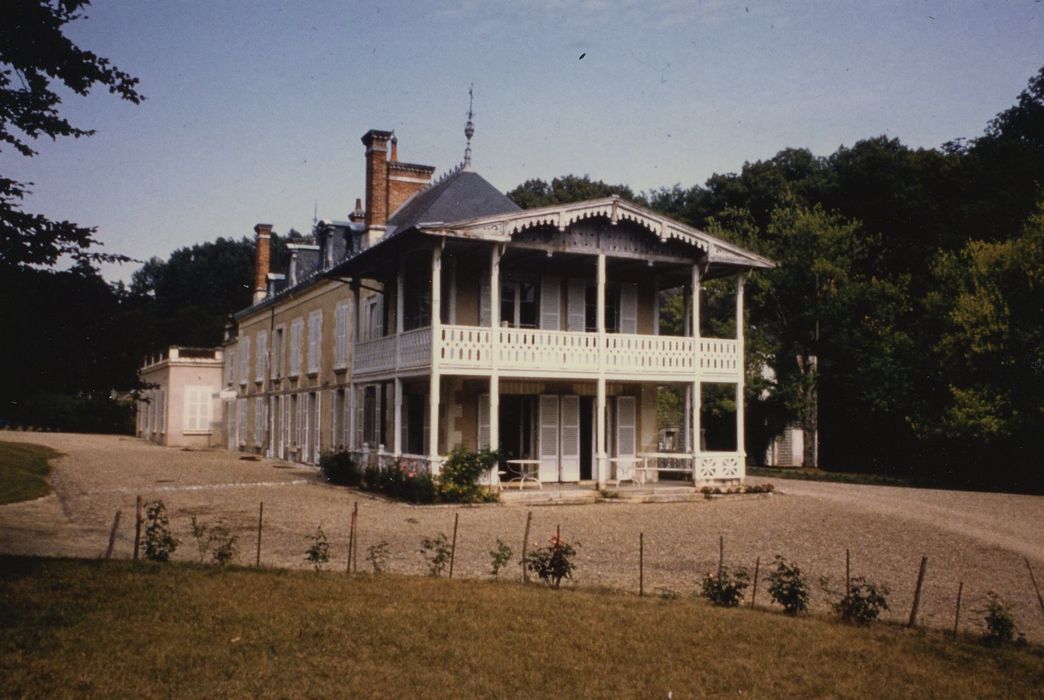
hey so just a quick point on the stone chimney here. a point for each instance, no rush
(262, 260)
(376, 143)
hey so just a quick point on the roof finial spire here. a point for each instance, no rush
(469, 128)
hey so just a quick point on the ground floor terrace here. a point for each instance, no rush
(553, 431)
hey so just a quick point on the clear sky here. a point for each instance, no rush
(254, 110)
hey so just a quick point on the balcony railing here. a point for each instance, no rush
(552, 353)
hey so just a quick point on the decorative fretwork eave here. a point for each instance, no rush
(502, 227)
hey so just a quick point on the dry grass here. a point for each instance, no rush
(98, 629)
(24, 470)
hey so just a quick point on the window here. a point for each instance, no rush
(277, 352)
(373, 326)
(262, 356)
(612, 295)
(241, 413)
(295, 346)
(341, 318)
(518, 304)
(372, 418)
(259, 420)
(315, 336)
(198, 409)
(244, 358)
(416, 297)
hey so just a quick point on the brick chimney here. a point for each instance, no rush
(376, 143)
(263, 250)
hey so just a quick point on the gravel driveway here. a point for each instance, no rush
(978, 538)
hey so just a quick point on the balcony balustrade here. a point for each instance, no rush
(532, 352)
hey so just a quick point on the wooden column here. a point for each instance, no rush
(494, 338)
(352, 386)
(400, 325)
(696, 393)
(741, 447)
(600, 437)
(436, 342)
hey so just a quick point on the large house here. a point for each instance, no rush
(444, 315)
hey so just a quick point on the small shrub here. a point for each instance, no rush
(725, 589)
(788, 587)
(499, 557)
(458, 480)
(199, 533)
(339, 468)
(864, 602)
(406, 484)
(377, 555)
(1000, 622)
(318, 553)
(437, 551)
(554, 562)
(223, 543)
(160, 543)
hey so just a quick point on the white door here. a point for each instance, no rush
(576, 309)
(626, 434)
(628, 308)
(550, 303)
(548, 438)
(570, 459)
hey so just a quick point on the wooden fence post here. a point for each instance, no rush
(260, 520)
(453, 546)
(112, 535)
(1034, 580)
(137, 527)
(957, 615)
(917, 593)
(721, 555)
(355, 538)
(351, 536)
(641, 564)
(525, 546)
(754, 592)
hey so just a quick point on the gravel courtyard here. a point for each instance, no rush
(977, 538)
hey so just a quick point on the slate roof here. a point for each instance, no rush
(461, 195)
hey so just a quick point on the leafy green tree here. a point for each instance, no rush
(35, 56)
(187, 298)
(565, 189)
(990, 351)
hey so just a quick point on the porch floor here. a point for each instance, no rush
(588, 492)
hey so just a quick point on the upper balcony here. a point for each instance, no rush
(533, 353)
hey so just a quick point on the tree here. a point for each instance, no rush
(186, 299)
(991, 353)
(562, 190)
(35, 55)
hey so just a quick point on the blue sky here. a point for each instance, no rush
(254, 109)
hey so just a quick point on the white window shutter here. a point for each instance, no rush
(550, 302)
(483, 422)
(262, 356)
(575, 308)
(548, 438)
(244, 352)
(628, 308)
(485, 301)
(626, 429)
(570, 438)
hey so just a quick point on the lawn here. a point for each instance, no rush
(90, 628)
(24, 470)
